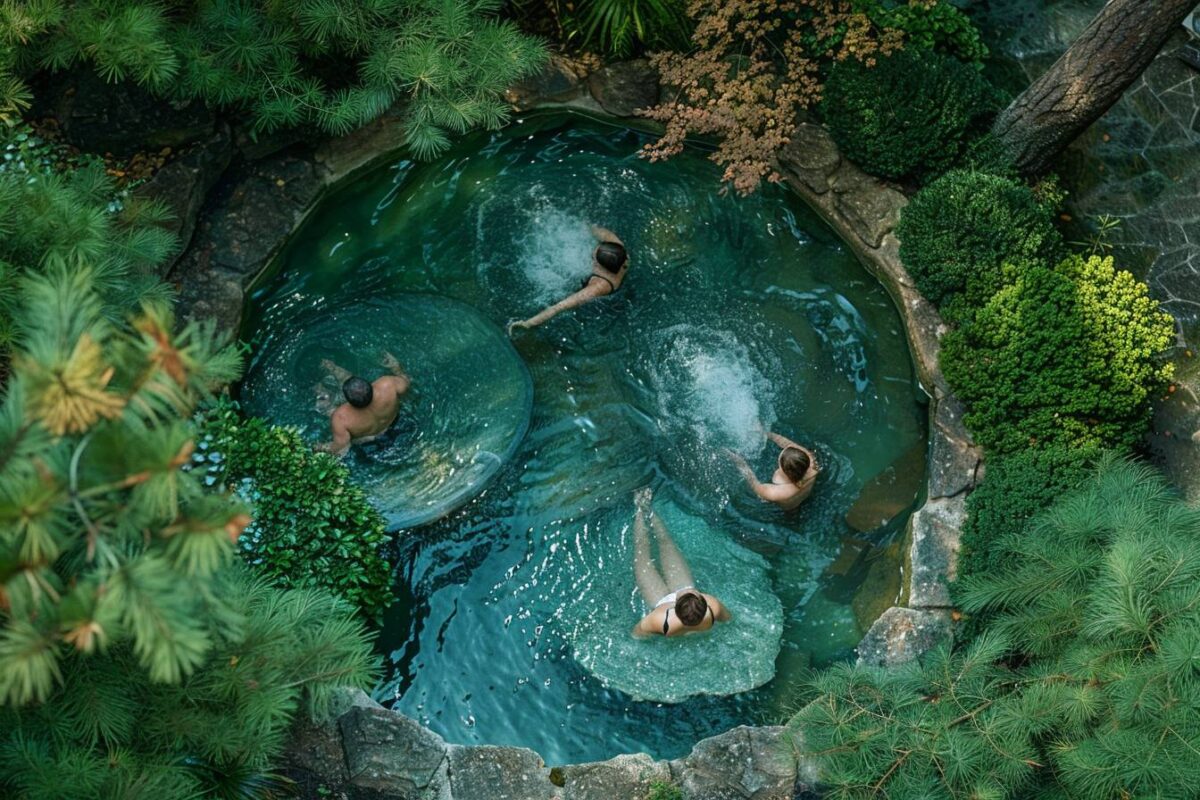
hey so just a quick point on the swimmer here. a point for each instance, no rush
(677, 607)
(794, 476)
(370, 408)
(610, 262)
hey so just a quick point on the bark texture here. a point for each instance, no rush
(1107, 57)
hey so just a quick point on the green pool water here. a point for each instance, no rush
(736, 312)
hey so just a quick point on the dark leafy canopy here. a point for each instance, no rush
(336, 64)
(958, 232)
(1101, 599)
(312, 526)
(1072, 354)
(910, 115)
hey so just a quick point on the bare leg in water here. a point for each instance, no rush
(674, 567)
(649, 582)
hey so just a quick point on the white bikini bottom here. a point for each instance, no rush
(670, 598)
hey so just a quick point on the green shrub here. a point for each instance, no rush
(909, 116)
(312, 526)
(1085, 685)
(1070, 355)
(932, 26)
(664, 790)
(958, 231)
(1015, 488)
(336, 64)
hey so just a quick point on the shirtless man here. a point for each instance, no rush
(370, 408)
(677, 607)
(794, 475)
(610, 263)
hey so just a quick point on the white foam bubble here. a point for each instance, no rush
(557, 253)
(553, 247)
(709, 382)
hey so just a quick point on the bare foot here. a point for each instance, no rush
(642, 498)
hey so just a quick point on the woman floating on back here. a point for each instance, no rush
(676, 605)
(610, 262)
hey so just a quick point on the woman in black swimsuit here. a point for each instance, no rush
(609, 265)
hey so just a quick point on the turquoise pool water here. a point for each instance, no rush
(736, 312)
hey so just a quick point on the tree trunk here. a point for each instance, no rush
(1092, 75)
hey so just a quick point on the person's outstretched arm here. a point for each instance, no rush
(392, 365)
(770, 492)
(783, 441)
(720, 613)
(584, 295)
(340, 442)
(339, 374)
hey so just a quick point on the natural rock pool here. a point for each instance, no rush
(515, 612)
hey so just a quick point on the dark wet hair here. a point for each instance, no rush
(358, 392)
(691, 608)
(611, 256)
(795, 463)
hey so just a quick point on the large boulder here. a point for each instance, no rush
(811, 156)
(184, 183)
(625, 87)
(558, 81)
(247, 221)
(394, 755)
(499, 773)
(119, 118)
(627, 775)
(744, 764)
(904, 634)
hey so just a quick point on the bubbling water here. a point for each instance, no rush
(709, 381)
(553, 248)
(736, 313)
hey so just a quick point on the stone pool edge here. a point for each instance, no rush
(364, 750)
(256, 206)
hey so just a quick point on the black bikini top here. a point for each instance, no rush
(667, 619)
(604, 278)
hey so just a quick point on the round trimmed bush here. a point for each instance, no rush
(908, 116)
(960, 229)
(1070, 355)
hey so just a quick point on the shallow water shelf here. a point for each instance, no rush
(466, 411)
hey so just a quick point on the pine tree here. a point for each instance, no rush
(1086, 684)
(138, 657)
(67, 220)
(335, 64)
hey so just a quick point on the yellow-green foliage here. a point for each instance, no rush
(1071, 354)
